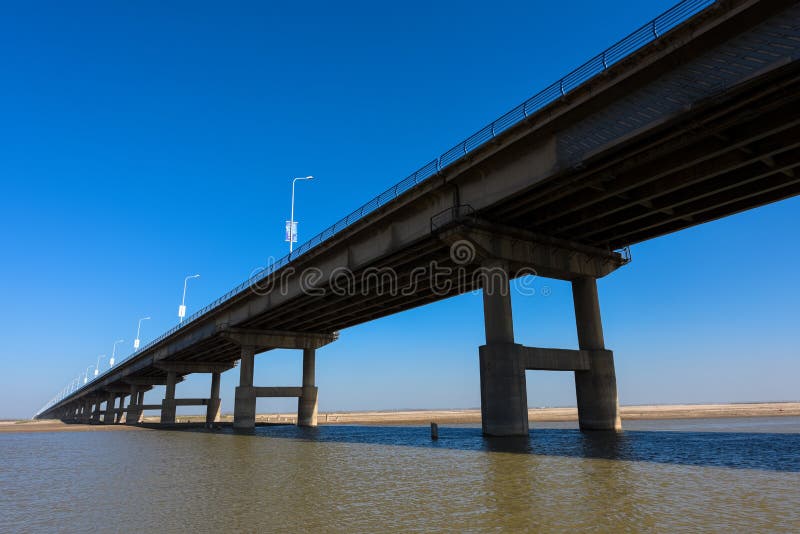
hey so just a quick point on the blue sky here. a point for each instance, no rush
(142, 142)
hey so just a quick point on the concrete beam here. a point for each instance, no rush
(539, 359)
(277, 339)
(148, 381)
(144, 407)
(117, 388)
(191, 402)
(548, 256)
(195, 367)
(278, 391)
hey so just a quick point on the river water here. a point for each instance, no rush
(712, 474)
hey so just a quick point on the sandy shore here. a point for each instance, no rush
(54, 425)
(423, 417)
(672, 411)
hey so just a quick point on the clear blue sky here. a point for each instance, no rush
(142, 141)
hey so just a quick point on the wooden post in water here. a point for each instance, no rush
(434, 431)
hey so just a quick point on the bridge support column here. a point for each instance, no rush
(168, 404)
(96, 412)
(108, 416)
(134, 413)
(504, 400)
(244, 408)
(87, 411)
(596, 388)
(212, 411)
(307, 403)
(121, 409)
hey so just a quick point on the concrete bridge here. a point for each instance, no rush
(693, 117)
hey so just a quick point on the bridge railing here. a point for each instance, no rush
(646, 34)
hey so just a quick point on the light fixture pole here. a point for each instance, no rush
(291, 231)
(138, 329)
(86, 374)
(182, 307)
(97, 367)
(114, 352)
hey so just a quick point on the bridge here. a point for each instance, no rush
(690, 118)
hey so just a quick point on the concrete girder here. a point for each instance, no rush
(277, 339)
(548, 256)
(542, 359)
(191, 402)
(117, 388)
(194, 367)
(148, 381)
(277, 391)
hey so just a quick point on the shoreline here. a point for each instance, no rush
(455, 416)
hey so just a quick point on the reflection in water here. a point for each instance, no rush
(743, 450)
(739, 476)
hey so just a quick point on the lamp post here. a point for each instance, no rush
(97, 367)
(138, 329)
(114, 352)
(86, 374)
(291, 230)
(182, 307)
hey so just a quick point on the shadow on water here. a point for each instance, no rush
(739, 450)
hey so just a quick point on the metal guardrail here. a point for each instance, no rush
(646, 34)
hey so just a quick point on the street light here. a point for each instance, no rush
(138, 329)
(182, 307)
(97, 367)
(114, 352)
(291, 226)
(86, 374)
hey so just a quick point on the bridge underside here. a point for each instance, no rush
(735, 151)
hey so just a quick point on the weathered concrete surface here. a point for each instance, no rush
(596, 388)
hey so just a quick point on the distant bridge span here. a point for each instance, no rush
(692, 118)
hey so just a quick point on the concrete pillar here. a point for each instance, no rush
(96, 411)
(134, 413)
(212, 412)
(121, 408)
(108, 418)
(596, 389)
(504, 397)
(307, 403)
(168, 404)
(244, 408)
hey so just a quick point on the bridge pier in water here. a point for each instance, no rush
(133, 413)
(499, 253)
(175, 372)
(212, 410)
(251, 342)
(504, 403)
(168, 404)
(595, 388)
(307, 402)
(504, 398)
